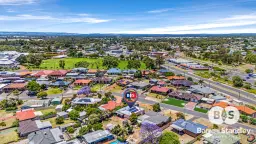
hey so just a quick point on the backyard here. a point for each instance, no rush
(175, 102)
(97, 87)
(53, 122)
(8, 136)
(70, 63)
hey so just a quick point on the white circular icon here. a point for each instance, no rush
(218, 115)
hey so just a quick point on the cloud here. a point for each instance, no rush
(160, 10)
(17, 2)
(78, 19)
(230, 22)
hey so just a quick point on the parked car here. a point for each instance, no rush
(31, 93)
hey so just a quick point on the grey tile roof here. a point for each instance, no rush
(26, 127)
(46, 136)
(96, 135)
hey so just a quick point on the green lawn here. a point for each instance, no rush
(175, 102)
(48, 110)
(53, 122)
(97, 87)
(52, 91)
(70, 63)
(201, 110)
(8, 136)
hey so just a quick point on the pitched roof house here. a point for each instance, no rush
(25, 114)
(98, 136)
(247, 111)
(82, 82)
(111, 105)
(46, 136)
(26, 127)
(160, 90)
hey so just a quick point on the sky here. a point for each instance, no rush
(129, 16)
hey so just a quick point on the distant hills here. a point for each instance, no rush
(46, 34)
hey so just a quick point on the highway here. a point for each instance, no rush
(231, 91)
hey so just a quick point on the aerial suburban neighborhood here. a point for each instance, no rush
(73, 92)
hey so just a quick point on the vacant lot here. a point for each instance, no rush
(52, 91)
(70, 63)
(175, 102)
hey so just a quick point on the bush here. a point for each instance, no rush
(3, 124)
(59, 120)
(70, 129)
(11, 108)
(15, 123)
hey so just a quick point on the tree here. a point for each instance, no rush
(215, 126)
(84, 130)
(149, 62)
(169, 138)
(42, 95)
(22, 59)
(15, 123)
(133, 118)
(150, 133)
(156, 107)
(94, 118)
(190, 79)
(180, 115)
(159, 61)
(110, 62)
(169, 74)
(201, 81)
(33, 86)
(62, 64)
(247, 86)
(35, 59)
(138, 74)
(59, 120)
(249, 71)
(97, 126)
(237, 81)
(134, 64)
(83, 64)
(74, 115)
(16, 92)
(66, 107)
(3, 124)
(70, 129)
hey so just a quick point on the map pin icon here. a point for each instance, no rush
(130, 96)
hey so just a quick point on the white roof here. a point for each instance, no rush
(2, 85)
(59, 106)
(38, 113)
(43, 124)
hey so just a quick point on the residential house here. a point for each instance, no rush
(147, 72)
(15, 86)
(58, 73)
(163, 71)
(56, 101)
(102, 80)
(202, 90)
(60, 83)
(36, 103)
(184, 83)
(26, 127)
(46, 136)
(111, 105)
(247, 111)
(6, 63)
(129, 72)
(188, 127)
(42, 73)
(172, 78)
(139, 85)
(218, 98)
(153, 81)
(85, 101)
(91, 72)
(82, 82)
(82, 115)
(72, 75)
(215, 136)
(25, 114)
(114, 71)
(161, 83)
(185, 96)
(123, 82)
(25, 74)
(8, 74)
(125, 112)
(205, 106)
(221, 104)
(160, 90)
(99, 136)
(59, 108)
(43, 80)
(80, 70)
(154, 118)
(62, 114)
(2, 87)
(43, 125)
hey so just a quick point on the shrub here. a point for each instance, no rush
(59, 120)
(70, 129)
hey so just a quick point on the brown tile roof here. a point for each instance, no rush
(111, 105)
(16, 86)
(26, 127)
(58, 73)
(246, 110)
(83, 81)
(92, 71)
(221, 104)
(176, 78)
(160, 89)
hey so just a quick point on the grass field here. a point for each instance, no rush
(70, 63)
(53, 122)
(8, 136)
(200, 110)
(97, 87)
(45, 111)
(52, 91)
(175, 102)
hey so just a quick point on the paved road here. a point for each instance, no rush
(194, 113)
(244, 96)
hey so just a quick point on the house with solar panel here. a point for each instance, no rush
(126, 112)
(85, 101)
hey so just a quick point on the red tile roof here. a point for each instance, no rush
(176, 78)
(92, 71)
(25, 114)
(111, 105)
(43, 72)
(246, 110)
(83, 81)
(160, 89)
(58, 73)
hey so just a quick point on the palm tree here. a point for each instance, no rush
(201, 81)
